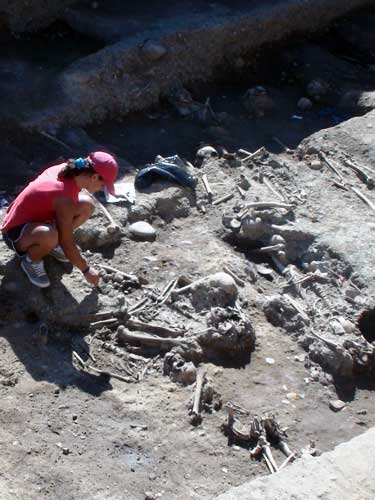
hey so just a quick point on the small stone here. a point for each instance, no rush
(149, 495)
(270, 361)
(65, 451)
(316, 165)
(304, 104)
(362, 412)
(337, 405)
(142, 230)
(300, 358)
(292, 396)
(153, 50)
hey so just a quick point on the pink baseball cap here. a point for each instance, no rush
(106, 166)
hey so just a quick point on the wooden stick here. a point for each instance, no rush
(223, 199)
(363, 198)
(207, 187)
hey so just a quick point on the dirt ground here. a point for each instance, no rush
(70, 434)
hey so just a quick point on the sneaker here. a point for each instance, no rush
(35, 272)
(58, 254)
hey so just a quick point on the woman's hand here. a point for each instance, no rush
(92, 276)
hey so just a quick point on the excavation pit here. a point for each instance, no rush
(366, 325)
(68, 424)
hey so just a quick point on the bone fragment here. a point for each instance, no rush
(242, 192)
(190, 286)
(268, 204)
(329, 343)
(250, 156)
(280, 143)
(297, 307)
(142, 304)
(85, 366)
(363, 198)
(149, 340)
(286, 461)
(268, 463)
(331, 166)
(161, 331)
(104, 322)
(268, 183)
(341, 186)
(283, 445)
(113, 226)
(196, 417)
(207, 187)
(361, 173)
(223, 199)
(272, 248)
(267, 453)
(238, 280)
(130, 277)
(167, 292)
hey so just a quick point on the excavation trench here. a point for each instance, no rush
(246, 65)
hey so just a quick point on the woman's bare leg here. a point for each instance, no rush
(37, 240)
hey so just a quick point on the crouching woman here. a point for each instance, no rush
(43, 217)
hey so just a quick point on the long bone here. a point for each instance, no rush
(196, 416)
(149, 340)
(361, 173)
(207, 187)
(269, 249)
(331, 166)
(113, 226)
(250, 156)
(280, 143)
(161, 331)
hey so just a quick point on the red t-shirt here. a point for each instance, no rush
(35, 203)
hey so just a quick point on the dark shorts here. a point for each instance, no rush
(12, 236)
